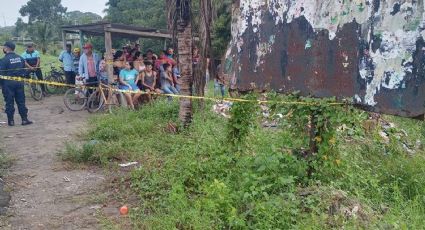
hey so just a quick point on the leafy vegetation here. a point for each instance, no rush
(44, 20)
(221, 34)
(153, 14)
(196, 179)
(45, 17)
(44, 27)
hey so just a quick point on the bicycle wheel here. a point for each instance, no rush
(95, 102)
(75, 99)
(118, 101)
(53, 89)
(36, 92)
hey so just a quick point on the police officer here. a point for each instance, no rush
(13, 91)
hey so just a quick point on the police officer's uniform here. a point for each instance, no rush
(13, 91)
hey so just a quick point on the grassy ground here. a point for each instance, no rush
(196, 180)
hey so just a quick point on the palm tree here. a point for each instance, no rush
(43, 34)
(205, 23)
(184, 43)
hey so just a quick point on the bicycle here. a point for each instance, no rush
(35, 88)
(55, 76)
(106, 96)
(75, 99)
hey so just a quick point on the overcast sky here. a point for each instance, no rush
(9, 9)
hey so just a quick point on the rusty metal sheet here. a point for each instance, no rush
(369, 50)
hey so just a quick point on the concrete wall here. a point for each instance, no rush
(368, 50)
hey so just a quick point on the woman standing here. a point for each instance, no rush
(128, 81)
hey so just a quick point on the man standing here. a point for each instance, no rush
(89, 65)
(77, 53)
(67, 58)
(13, 91)
(32, 62)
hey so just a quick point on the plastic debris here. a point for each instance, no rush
(128, 164)
(223, 108)
(384, 136)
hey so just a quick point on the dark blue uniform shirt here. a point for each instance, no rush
(12, 65)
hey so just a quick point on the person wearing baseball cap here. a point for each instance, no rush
(32, 61)
(13, 65)
(77, 55)
(89, 65)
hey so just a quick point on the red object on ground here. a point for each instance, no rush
(124, 210)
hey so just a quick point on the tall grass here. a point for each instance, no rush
(195, 180)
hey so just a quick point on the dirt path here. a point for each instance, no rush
(45, 195)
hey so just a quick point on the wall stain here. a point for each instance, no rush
(369, 50)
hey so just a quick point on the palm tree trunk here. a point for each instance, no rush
(205, 12)
(184, 41)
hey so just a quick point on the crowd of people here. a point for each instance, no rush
(134, 70)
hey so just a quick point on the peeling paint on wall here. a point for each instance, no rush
(370, 50)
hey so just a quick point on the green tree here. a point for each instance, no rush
(44, 20)
(78, 17)
(221, 32)
(150, 14)
(42, 34)
(43, 11)
(20, 28)
(6, 33)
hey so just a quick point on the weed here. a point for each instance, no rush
(196, 179)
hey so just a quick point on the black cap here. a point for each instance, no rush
(10, 45)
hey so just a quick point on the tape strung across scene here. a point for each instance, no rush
(59, 84)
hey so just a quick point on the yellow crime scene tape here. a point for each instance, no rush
(59, 84)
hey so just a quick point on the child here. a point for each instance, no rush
(103, 72)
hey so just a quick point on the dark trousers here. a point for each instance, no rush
(39, 76)
(13, 91)
(92, 82)
(70, 77)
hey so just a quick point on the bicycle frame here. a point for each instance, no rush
(109, 97)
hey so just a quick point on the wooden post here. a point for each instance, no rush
(109, 58)
(64, 39)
